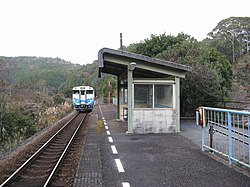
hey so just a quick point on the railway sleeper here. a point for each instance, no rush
(52, 152)
(64, 170)
(49, 157)
(33, 177)
(66, 164)
(57, 146)
(60, 141)
(50, 149)
(41, 167)
(34, 171)
(72, 151)
(71, 160)
(45, 161)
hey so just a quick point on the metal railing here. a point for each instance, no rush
(226, 132)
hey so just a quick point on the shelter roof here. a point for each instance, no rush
(116, 62)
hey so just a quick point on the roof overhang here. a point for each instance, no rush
(116, 62)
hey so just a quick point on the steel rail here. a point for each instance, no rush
(30, 159)
(63, 154)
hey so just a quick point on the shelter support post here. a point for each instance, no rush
(177, 103)
(118, 99)
(130, 99)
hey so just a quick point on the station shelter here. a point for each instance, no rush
(148, 90)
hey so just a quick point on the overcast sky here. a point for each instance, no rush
(75, 30)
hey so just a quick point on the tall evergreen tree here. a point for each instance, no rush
(210, 80)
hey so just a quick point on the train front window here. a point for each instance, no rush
(82, 92)
(89, 91)
(76, 92)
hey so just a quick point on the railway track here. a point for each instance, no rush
(51, 164)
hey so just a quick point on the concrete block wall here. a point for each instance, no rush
(154, 121)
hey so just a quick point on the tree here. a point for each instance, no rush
(153, 46)
(231, 37)
(210, 80)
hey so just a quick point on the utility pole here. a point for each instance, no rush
(121, 46)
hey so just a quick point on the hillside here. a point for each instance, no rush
(241, 79)
(35, 92)
(35, 72)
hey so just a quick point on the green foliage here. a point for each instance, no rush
(87, 75)
(103, 86)
(208, 83)
(237, 26)
(231, 36)
(59, 99)
(73, 78)
(241, 84)
(15, 125)
(210, 79)
(154, 45)
(37, 74)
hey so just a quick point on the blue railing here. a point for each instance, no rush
(226, 132)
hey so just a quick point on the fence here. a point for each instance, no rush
(226, 132)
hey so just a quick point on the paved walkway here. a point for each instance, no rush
(149, 160)
(191, 131)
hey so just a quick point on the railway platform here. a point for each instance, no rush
(112, 158)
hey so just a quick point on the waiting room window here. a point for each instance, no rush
(153, 96)
(143, 96)
(163, 96)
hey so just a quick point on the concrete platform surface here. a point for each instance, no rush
(151, 160)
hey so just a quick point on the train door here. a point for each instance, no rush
(83, 98)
